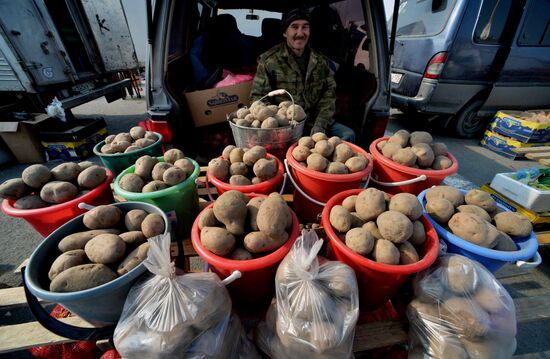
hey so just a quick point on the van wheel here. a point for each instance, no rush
(467, 124)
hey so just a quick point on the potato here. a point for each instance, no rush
(349, 203)
(439, 149)
(490, 347)
(316, 162)
(174, 175)
(154, 186)
(91, 177)
(153, 225)
(274, 216)
(390, 149)
(230, 209)
(144, 166)
(30, 202)
(242, 112)
(132, 148)
(340, 219)
(265, 169)
(109, 139)
(460, 275)
(217, 240)
(105, 248)
(236, 155)
(145, 142)
(372, 228)
(227, 150)
(256, 124)
(270, 122)
(240, 254)
(67, 171)
(441, 210)
(407, 253)
(394, 226)
(133, 259)
(67, 260)
(360, 241)
(251, 156)
(424, 154)
(481, 199)
(14, 188)
(150, 135)
(505, 243)
(441, 163)
(449, 193)
(356, 221)
(342, 152)
(58, 192)
(36, 176)
(420, 137)
(404, 156)
(324, 335)
(301, 153)
(133, 219)
(82, 277)
(137, 132)
(131, 182)
(107, 149)
(284, 104)
(159, 169)
(239, 180)
(513, 224)
(466, 316)
(370, 204)
(407, 204)
(260, 242)
(400, 138)
(306, 141)
(380, 145)
(120, 146)
(324, 148)
(101, 217)
(123, 136)
(296, 113)
(319, 136)
(335, 141)
(337, 168)
(172, 155)
(419, 234)
(207, 218)
(385, 252)
(253, 207)
(475, 210)
(263, 113)
(219, 168)
(472, 229)
(238, 168)
(186, 165)
(78, 240)
(133, 237)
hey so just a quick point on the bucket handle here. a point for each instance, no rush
(401, 183)
(208, 193)
(236, 274)
(537, 260)
(57, 327)
(86, 206)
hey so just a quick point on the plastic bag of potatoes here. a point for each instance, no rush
(177, 316)
(316, 307)
(460, 310)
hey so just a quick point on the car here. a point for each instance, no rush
(467, 59)
(233, 34)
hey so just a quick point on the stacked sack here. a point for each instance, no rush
(461, 311)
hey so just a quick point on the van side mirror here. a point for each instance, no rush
(252, 17)
(439, 5)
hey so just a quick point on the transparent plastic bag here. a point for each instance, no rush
(166, 315)
(460, 311)
(316, 308)
(55, 109)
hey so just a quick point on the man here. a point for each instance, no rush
(305, 73)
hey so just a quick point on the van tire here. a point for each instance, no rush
(467, 124)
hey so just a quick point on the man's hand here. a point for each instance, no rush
(316, 129)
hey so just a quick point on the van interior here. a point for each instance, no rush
(208, 38)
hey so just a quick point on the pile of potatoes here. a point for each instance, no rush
(125, 142)
(461, 311)
(243, 166)
(471, 217)
(240, 228)
(41, 187)
(536, 117)
(112, 245)
(387, 230)
(330, 155)
(261, 115)
(150, 175)
(416, 150)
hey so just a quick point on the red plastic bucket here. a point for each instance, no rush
(266, 187)
(48, 219)
(377, 281)
(252, 293)
(392, 177)
(320, 186)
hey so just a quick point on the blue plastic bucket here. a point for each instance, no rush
(100, 305)
(490, 258)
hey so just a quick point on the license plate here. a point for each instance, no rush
(396, 78)
(84, 87)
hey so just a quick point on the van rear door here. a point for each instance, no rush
(524, 81)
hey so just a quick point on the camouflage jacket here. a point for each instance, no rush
(277, 69)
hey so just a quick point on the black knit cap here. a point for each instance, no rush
(293, 15)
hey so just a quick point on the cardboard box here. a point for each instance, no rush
(504, 146)
(531, 198)
(22, 138)
(509, 124)
(212, 106)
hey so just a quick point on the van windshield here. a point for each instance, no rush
(250, 25)
(423, 17)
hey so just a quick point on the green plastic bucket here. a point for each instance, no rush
(180, 202)
(118, 162)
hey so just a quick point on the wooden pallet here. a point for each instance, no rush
(541, 154)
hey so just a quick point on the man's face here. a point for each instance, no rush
(297, 34)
